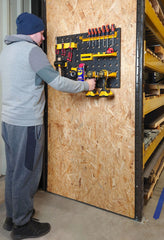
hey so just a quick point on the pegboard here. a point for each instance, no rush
(93, 48)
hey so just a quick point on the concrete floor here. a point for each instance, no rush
(71, 220)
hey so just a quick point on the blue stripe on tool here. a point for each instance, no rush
(159, 206)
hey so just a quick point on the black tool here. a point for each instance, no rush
(89, 36)
(96, 34)
(112, 32)
(56, 51)
(92, 35)
(69, 57)
(103, 33)
(59, 63)
(73, 74)
(99, 34)
(63, 51)
(107, 33)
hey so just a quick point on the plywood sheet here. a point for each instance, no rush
(91, 142)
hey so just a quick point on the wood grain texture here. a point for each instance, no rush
(91, 142)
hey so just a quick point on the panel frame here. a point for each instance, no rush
(139, 123)
(38, 7)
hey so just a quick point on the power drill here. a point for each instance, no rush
(93, 93)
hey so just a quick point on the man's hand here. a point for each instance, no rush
(92, 83)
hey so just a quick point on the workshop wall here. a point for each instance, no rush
(91, 141)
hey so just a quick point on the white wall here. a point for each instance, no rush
(4, 28)
(9, 10)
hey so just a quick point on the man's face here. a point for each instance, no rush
(38, 37)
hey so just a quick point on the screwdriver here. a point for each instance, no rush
(103, 33)
(63, 51)
(112, 31)
(107, 33)
(56, 51)
(89, 35)
(99, 34)
(92, 35)
(69, 57)
(96, 34)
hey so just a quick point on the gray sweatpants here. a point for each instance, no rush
(24, 148)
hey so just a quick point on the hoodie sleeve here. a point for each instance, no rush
(43, 69)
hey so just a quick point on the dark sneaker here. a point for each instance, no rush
(8, 224)
(32, 229)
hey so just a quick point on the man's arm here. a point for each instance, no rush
(42, 67)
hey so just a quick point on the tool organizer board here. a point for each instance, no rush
(109, 63)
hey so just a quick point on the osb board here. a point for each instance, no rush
(91, 142)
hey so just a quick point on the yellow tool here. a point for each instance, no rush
(99, 37)
(60, 64)
(65, 45)
(93, 93)
(104, 91)
(90, 56)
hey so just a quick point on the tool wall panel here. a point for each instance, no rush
(98, 53)
(91, 141)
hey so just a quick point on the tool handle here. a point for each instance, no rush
(69, 58)
(56, 50)
(99, 31)
(103, 29)
(107, 28)
(92, 32)
(113, 28)
(89, 32)
(96, 32)
(63, 51)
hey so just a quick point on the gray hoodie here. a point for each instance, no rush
(24, 68)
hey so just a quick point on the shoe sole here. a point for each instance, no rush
(19, 237)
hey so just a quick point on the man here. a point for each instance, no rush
(24, 68)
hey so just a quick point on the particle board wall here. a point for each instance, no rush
(91, 142)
